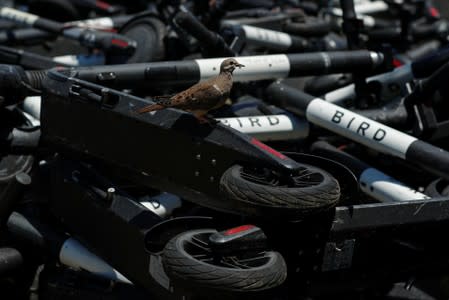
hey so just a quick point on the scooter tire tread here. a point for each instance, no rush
(305, 200)
(185, 270)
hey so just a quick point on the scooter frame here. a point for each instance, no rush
(100, 123)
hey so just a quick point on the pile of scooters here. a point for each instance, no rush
(311, 165)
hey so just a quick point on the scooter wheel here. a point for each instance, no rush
(190, 263)
(149, 33)
(310, 191)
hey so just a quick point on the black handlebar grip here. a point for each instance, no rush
(299, 44)
(35, 78)
(42, 238)
(49, 25)
(322, 63)
(26, 36)
(211, 42)
(26, 59)
(12, 194)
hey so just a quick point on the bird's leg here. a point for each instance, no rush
(203, 118)
(211, 120)
(207, 120)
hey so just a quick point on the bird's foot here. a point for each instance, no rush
(207, 120)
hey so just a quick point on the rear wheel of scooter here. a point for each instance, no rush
(190, 262)
(310, 191)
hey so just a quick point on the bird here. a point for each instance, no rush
(202, 97)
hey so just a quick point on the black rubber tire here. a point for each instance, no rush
(149, 33)
(301, 200)
(189, 272)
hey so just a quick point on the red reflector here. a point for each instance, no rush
(434, 12)
(397, 62)
(102, 5)
(119, 43)
(238, 229)
(267, 148)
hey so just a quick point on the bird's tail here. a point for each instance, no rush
(151, 107)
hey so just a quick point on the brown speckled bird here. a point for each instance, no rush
(202, 97)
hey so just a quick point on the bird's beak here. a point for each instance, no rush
(240, 65)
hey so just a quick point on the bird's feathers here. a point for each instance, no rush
(199, 98)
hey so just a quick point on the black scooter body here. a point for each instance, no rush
(168, 150)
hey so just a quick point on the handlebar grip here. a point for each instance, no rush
(28, 19)
(211, 42)
(26, 59)
(11, 194)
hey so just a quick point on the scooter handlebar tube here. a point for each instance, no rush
(360, 129)
(110, 42)
(260, 67)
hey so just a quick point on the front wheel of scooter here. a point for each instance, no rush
(191, 263)
(310, 191)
